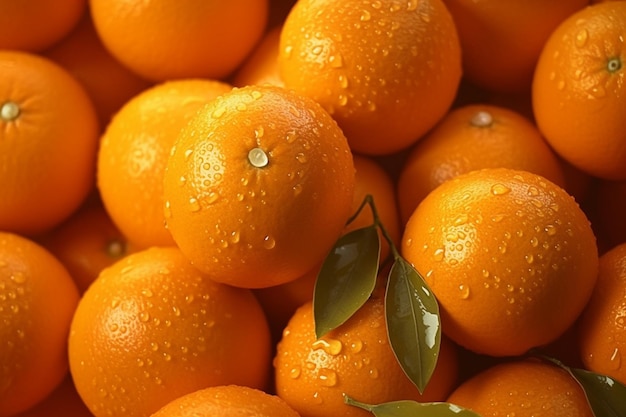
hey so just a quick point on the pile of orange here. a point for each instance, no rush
(174, 174)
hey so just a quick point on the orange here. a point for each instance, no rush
(87, 243)
(33, 25)
(501, 40)
(162, 39)
(106, 80)
(48, 140)
(64, 401)
(313, 375)
(510, 256)
(387, 71)
(523, 388)
(227, 401)
(134, 150)
(471, 137)
(261, 67)
(579, 91)
(152, 328)
(602, 340)
(259, 186)
(37, 300)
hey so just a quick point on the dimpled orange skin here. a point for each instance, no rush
(257, 226)
(510, 256)
(387, 70)
(523, 388)
(37, 300)
(313, 375)
(579, 90)
(152, 328)
(602, 335)
(227, 401)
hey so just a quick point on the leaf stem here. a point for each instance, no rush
(369, 200)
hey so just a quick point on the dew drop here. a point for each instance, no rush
(356, 346)
(581, 38)
(194, 205)
(167, 210)
(144, 316)
(327, 377)
(438, 254)
(550, 230)
(464, 291)
(294, 373)
(336, 61)
(373, 373)
(615, 359)
(300, 157)
(411, 5)
(331, 346)
(269, 242)
(219, 112)
(18, 277)
(500, 189)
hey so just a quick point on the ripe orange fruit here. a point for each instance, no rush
(37, 300)
(163, 40)
(501, 41)
(510, 256)
(34, 25)
(87, 243)
(64, 401)
(313, 375)
(261, 67)
(106, 80)
(602, 340)
(472, 137)
(152, 328)
(579, 91)
(258, 187)
(387, 71)
(523, 388)
(48, 139)
(227, 400)
(134, 150)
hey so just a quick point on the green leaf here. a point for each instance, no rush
(413, 322)
(409, 408)
(606, 396)
(347, 278)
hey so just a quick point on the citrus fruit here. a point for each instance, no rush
(34, 25)
(227, 401)
(313, 375)
(48, 139)
(579, 91)
(471, 137)
(64, 401)
(387, 71)
(162, 40)
(151, 328)
(108, 83)
(602, 341)
(86, 243)
(523, 388)
(261, 67)
(134, 151)
(499, 47)
(510, 256)
(258, 186)
(37, 300)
